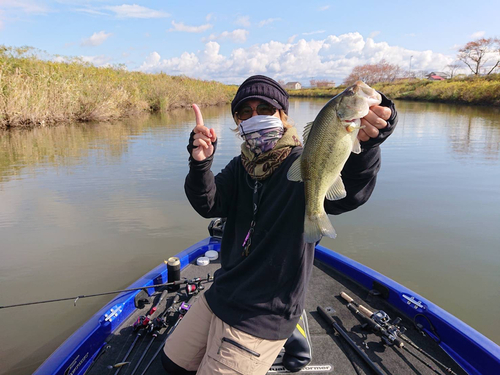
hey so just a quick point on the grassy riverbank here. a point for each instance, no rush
(479, 91)
(37, 92)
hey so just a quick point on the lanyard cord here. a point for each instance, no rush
(248, 238)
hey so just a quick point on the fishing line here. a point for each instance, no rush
(446, 368)
(421, 360)
(76, 298)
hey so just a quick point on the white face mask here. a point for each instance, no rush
(259, 122)
(261, 133)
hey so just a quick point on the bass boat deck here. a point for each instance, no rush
(434, 342)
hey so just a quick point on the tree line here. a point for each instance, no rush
(474, 55)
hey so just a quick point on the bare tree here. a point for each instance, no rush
(475, 54)
(325, 83)
(419, 74)
(312, 82)
(452, 69)
(373, 73)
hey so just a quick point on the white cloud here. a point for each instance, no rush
(477, 34)
(243, 21)
(96, 39)
(25, 6)
(268, 21)
(333, 57)
(209, 17)
(291, 39)
(237, 36)
(90, 11)
(314, 32)
(179, 26)
(100, 60)
(373, 34)
(136, 11)
(323, 8)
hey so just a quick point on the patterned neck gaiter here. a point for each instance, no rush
(263, 140)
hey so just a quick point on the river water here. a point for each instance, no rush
(87, 208)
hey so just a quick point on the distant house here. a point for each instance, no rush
(437, 76)
(293, 86)
(325, 84)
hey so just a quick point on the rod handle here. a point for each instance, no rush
(365, 311)
(163, 294)
(346, 297)
(176, 299)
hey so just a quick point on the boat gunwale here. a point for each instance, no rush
(476, 354)
(87, 341)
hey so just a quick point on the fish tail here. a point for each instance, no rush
(317, 226)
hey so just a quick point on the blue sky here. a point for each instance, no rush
(230, 40)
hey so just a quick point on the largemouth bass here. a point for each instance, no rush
(328, 142)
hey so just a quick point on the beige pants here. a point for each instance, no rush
(205, 343)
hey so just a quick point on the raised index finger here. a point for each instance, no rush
(199, 117)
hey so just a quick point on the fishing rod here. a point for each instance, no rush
(76, 298)
(141, 323)
(346, 337)
(378, 322)
(160, 322)
(183, 309)
(391, 332)
(157, 324)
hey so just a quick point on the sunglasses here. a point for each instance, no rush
(246, 111)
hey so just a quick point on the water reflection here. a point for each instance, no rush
(471, 131)
(30, 151)
(92, 207)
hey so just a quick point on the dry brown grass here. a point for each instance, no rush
(37, 92)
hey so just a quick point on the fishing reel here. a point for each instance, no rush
(195, 285)
(381, 317)
(390, 330)
(192, 289)
(157, 324)
(184, 308)
(141, 322)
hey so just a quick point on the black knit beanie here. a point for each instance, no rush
(263, 88)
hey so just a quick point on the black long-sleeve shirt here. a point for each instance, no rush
(263, 293)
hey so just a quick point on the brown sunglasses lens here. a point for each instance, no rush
(262, 109)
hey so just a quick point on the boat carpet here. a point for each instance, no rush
(331, 354)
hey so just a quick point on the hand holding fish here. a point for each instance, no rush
(203, 138)
(328, 142)
(375, 120)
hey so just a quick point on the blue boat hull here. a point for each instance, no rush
(475, 353)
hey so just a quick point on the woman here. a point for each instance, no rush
(241, 323)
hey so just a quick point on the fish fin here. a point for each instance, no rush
(318, 226)
(337, 190)
(306, 132)
(294, 173)
(356, 146)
